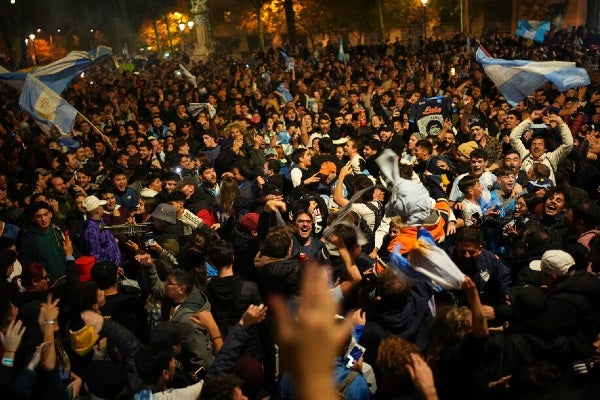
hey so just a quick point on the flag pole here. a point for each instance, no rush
(102, 135)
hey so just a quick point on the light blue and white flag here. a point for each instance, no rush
(517, 79)
(285, 93)
(58, 74)
(46, 106)
(289, 61)
(534, 30)
(341, 55)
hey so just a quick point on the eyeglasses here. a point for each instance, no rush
(167, 283)
(45, 278)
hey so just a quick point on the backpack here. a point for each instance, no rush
(379, 212)
(343, 387)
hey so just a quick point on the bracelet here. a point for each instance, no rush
(216, 337)
(50, 322)
(8, 362)
(10, 351)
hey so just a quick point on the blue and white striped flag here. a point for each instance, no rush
(517, 79)
(534, 30)
(58, 74)
(45, 106)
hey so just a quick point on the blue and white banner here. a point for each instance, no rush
(341, 55)
(517, 79)
(58, 74)
(46, 106)
(534, 30)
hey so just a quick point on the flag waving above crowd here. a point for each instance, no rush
(534, 30)
(45, 106)
(517, 79)
(41, 87)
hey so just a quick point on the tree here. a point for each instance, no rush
(290, 19)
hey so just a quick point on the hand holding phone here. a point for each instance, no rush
(355, 353)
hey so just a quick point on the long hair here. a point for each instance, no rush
(228, 194)
(448, 327)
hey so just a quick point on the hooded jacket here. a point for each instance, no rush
(229, 298)
(277, 275)
(197, 340)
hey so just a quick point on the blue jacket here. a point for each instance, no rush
(490, 275)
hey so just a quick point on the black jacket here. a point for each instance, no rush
(229, 298)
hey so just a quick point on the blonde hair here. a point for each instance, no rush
(398, 222)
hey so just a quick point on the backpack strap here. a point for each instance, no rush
(345, 385)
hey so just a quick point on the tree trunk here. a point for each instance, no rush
(290, 20)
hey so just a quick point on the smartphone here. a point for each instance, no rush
(355, 353)
(149, 239)
(452, 71)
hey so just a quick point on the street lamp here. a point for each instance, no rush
(424, 3)
(182, 25)
(32, 42)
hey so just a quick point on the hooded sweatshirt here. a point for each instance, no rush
(277, 275)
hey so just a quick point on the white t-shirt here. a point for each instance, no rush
(365, 212)
(471, 209)
(487, 180)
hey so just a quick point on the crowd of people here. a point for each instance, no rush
(237, 235)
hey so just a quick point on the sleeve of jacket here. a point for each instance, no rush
(91, 239)
(565, 147)
(227, 356)
(157, 287)
(503, 275)
(124, 340)
(515, 138)
(24, 383)
(497, 150)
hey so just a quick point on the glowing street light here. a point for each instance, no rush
(424, 3)
(182, 25)
(32, 42)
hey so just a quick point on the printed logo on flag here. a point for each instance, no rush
(46, 104)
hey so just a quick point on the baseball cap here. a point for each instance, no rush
(544, 183)
(92, 202)
(270, 151)
(42, 171)
(187, 180)
(249, 222)
(477, 122)
(554, 262)
(165, 212)
(327, 168)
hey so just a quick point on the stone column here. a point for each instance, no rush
(204, 40)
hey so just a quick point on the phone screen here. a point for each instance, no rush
(354, 355)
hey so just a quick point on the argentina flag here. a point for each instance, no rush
(45, 106)
(534, 30)
(59, 73)
(517, 79)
